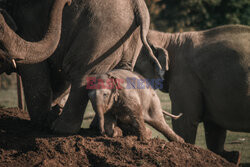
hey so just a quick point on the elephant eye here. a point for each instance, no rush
(105, 95)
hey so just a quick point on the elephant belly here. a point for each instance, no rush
(229, 108)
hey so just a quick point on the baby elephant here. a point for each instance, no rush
(125, 96)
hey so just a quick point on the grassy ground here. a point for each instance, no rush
(234, 141)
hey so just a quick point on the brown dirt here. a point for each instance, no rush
(23, 145)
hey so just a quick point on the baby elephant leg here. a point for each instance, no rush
(160, 124)
(138, 122)
(154, 117)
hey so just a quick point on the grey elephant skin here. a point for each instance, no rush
(96, 36)
(208, 81)
(126, 96)
(13, 47)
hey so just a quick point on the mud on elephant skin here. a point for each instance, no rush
(97, 36)
(121, 96)
(208, 80)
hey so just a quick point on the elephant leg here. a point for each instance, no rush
(38, 92)
(138, 123)
(186, 129)
(215, 140)
(187, 99)
(94, 125)
(72, 115)
(160, 124)
(131, 50)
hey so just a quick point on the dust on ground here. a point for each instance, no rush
(23, 145)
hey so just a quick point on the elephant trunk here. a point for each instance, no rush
(99, 109)
(26, 52)
(100, 112)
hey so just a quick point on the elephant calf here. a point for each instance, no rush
(122, 95)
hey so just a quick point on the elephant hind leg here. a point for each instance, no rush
(161, 125)
(215, 140)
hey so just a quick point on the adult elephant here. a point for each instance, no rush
(208, 80)
(97, 36)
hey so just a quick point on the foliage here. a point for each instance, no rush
(179, 15)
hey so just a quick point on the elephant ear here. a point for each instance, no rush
(162, 56)
(9, 20)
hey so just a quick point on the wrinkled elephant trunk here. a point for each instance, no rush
(33, 52)
(100, 112)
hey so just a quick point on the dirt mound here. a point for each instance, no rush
(22, 145)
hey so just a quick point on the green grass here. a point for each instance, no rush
(234, 141)
(8, 98)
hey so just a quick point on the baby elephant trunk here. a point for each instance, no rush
(99, 109)
(100, 112)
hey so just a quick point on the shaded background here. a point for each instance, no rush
(185, 15)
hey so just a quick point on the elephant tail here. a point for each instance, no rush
(171, 115)
(143, 20)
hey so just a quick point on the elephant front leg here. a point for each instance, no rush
(70, 120)
(94, 125)
(38, 93)
(39, 103)
(188, 101)
(215, 140)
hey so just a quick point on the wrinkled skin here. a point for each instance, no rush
(97, 36)
(14, 48)
(208, 80)
(129, 103)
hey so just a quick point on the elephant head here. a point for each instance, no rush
(102, 97)
(15, 49)
(148, 68)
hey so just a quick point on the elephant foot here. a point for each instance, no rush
(232, 156)
(41, 124)
(117, 132)
(180, 139)
(65, 127)
(53, 115)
